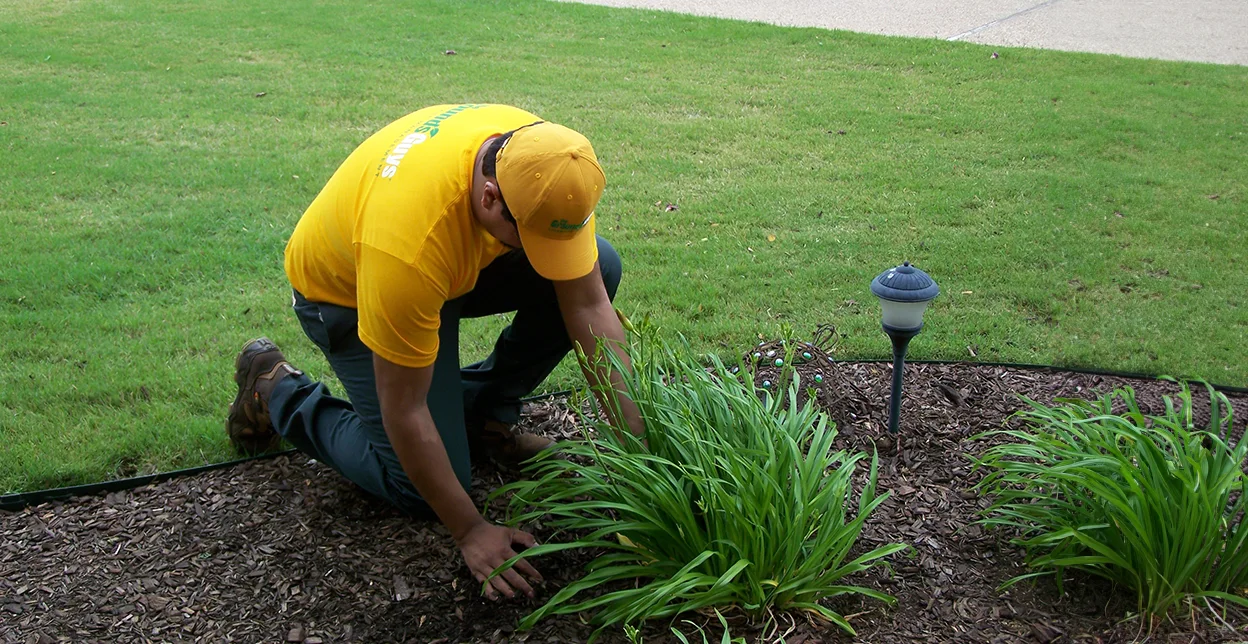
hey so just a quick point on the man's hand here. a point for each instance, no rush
(486, 546)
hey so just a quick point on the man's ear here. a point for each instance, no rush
(491, 196)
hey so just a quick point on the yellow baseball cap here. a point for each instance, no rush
(551, 181)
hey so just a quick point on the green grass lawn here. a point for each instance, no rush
(1076, 209)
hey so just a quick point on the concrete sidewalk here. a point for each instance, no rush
(1214, 31)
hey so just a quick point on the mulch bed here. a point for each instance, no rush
(285, 550)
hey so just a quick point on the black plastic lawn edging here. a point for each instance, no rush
(20, 501)
(23, 500)
(1044, 367)
(15, 502)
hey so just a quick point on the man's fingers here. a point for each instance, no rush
(518, 582)
(523, 538)
(501, 586)
(489, 590)
(484, 560)
(531, 572)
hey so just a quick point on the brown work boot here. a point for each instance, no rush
(257, 370)
(497, 441)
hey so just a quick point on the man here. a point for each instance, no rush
(449, 212)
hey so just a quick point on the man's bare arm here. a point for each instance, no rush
(588, 316)
(403, 392)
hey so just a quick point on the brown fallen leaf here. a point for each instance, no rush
(1212, 197)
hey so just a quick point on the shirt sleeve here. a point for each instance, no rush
(400, 308)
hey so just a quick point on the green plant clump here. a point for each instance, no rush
(1151, 503)
(634, 635)
(736, 499)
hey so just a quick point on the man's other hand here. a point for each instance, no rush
(486, 546)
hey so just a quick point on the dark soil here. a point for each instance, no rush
(285, 550)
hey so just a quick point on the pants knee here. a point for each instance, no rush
(612, 268)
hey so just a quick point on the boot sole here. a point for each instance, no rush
(236, 421)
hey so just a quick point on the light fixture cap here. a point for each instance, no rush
(904, 283)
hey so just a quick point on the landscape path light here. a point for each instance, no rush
(904, 293)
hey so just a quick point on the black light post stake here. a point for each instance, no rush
(901, 341)
(904, 293)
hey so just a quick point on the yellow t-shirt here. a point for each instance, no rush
(392, 233)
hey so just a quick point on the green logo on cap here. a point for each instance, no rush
(563, 225)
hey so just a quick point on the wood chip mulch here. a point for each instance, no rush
(285, 550)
